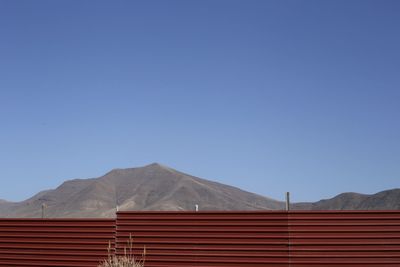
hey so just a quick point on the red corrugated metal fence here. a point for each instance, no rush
(205, 239)
(294, 238)
(344, 238)
(55, 242)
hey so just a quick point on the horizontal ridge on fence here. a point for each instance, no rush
(55, 242)
(344, 238)
(208, 239)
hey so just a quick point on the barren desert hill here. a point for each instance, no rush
(158, 187)
(152, 187)
(384, 200)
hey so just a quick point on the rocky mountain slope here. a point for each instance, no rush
(385, 200)
(157, 187)
(153, 187)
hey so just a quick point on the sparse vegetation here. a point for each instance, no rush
(126, 260)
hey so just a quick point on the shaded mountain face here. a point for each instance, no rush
(153, 187)
(385, 200)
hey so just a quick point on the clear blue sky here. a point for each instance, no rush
(268, 96)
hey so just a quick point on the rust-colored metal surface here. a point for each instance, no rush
(294, 238)
(55, 242)
(344, 238)
(206, 238)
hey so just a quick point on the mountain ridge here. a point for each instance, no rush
(158, 187)
(387, 199)
(152, 187)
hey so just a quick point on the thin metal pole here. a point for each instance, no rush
(43, 210)
(288, 224)
(287, 201)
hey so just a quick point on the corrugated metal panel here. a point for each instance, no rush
(344, 238)
(206, 238)
(55, 242)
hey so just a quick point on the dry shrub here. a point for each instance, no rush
(121, 261)
(127, 260)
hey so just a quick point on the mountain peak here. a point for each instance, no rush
(157, 166)
(154, 165)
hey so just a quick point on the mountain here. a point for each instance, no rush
(152, 187)
(157, 187)
(385, 200)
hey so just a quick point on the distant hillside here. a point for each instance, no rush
(157, 187)
(153, 187)
(385, 200)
